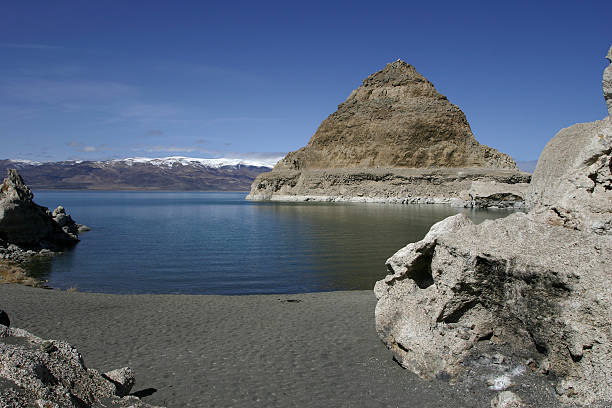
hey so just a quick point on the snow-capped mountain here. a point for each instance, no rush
(140, 173)
(192, 161)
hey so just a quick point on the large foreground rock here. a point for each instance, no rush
(29, 225)
(52, 374)
(384, 142)
(513, 285)
(534, 287)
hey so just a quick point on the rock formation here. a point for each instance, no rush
(533, 287)
(394, 123)
(397, 118)
(607, 82)
(51, 373)
(25, 224)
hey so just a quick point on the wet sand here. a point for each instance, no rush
(307, 350)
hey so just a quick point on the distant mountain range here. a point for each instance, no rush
(169, 173)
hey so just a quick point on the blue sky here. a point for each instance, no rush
(99, 80)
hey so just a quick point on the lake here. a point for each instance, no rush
(219, 243)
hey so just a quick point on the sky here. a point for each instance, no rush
(101, 80)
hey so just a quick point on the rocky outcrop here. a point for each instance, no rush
(396, 118)
(607, 82)
(384, 142)
(27, 225)
(467, 187)
(51, 373)
(534, 287)
(576, 189)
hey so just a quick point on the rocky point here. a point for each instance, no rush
(395, 139)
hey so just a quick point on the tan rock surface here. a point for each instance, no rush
(395, 139)
(397, 118)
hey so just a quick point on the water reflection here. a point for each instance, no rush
(219, 243)
(345, 246)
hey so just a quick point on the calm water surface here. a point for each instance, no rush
(196, 242)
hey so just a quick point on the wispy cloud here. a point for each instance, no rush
(208, 72)
(233, 119)
(149, 110)
(80, 147)
(26, 46)
(256, 155)
(56, 92)
(154, 132)
(168, 149)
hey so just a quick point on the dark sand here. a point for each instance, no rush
(237, 351)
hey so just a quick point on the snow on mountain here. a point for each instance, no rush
(27, 162)
(186, 161)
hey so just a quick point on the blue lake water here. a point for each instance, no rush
(218, 243)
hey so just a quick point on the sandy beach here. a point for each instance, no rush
(306, 350)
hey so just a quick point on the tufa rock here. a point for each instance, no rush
(123, 378)
(52, 373)
(516, 283)
(22, 222)
(607, 82)
(572, 183)
(27, 224)
(396, 118)
(506, 188)
(395, 139)
(535, 287)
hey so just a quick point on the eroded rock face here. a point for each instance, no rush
(27, 224)
(515, 283)
(575, 189)
(464, 187)
(607, 82)
(572, 183)
(52, 373)
(397, 118)
(535, 287)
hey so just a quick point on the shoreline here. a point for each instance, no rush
(452, 201)
(310, 349)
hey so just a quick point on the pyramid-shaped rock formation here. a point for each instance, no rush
(397, 118)
(395, 139)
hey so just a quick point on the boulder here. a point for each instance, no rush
(123, 378)
(52, 373)
(513, 285)
(487, 194)
(533, 288)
